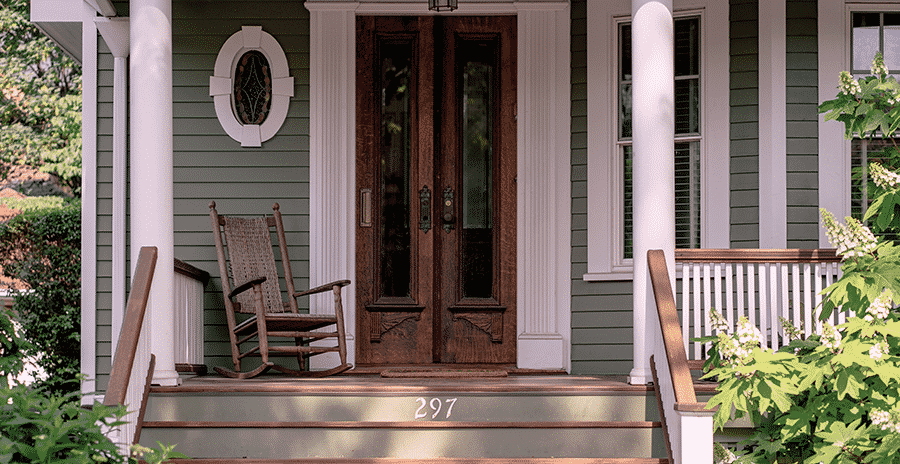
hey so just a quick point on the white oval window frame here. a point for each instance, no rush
(221, 85)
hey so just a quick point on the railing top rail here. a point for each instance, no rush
(126, 349)
(676, 357)
(752, 255)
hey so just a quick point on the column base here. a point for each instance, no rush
(166, 378)
(640, 376)
(541, 351)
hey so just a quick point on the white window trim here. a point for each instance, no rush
(605, 184)
(834, 34)
(221, 86)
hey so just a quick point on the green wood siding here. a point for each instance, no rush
(744, 130)
(209, 165)
(104, 213)
(601, 311)
(802, 125)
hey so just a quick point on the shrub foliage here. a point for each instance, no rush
(42, 248)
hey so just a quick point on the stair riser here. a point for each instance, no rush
(296, 443)
(429, 407)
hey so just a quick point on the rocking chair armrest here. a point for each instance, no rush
(246, 286)
(323, 288)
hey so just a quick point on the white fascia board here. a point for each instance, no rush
(56, 11)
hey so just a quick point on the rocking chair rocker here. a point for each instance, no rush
(250, 285)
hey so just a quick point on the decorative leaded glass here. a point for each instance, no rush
(252, 88)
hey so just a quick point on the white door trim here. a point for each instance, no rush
(543, 145)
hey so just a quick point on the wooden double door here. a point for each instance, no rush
(436, 175)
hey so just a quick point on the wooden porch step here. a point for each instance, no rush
(429, 461)
(374, 420)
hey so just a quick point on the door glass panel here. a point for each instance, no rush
(477, 169)
(394, 231)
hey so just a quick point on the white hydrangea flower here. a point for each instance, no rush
(849, 86)
(878, 67)
(852, 239)
(878, 351)
(748, 336)
(881, 307)
(831, 337)
(735, 349)
(717, 321)
(886, 420)
(883, 177)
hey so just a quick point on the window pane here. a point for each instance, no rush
(628, 203)
(625, 110)
(687, 106)
(625, 56)
(624, 83)
(892, 41)
(477, 235)
(687, 195)
(687, 47)
(394, 182)
(865, 40)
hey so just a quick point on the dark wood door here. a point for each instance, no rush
(436, 171)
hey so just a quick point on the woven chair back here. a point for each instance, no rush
(250, 255)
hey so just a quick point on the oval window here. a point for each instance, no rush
(252, 88)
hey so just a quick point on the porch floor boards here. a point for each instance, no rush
(377, 384)
(370, 383)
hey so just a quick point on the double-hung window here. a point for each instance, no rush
(701, 130)
(872, 32)
(688, 135)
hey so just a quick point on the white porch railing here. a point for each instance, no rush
(189, 284)
(762, 285)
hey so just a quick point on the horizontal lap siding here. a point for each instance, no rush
(601, 311)
(744, 124)
(209, 165)
(802, 125)
(104, 214)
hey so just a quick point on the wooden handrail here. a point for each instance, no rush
(676, 357)
(752, 255)
(126, 349)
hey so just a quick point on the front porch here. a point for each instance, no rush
(462, 413)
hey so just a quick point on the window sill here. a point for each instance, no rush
(614, 276)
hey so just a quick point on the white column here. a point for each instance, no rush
(653, 115)
(772, 126)
(89, 203)
(543, 187)
(332, 161)
(152, 221)
(116, 35)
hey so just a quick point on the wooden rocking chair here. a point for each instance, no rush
(250, 285)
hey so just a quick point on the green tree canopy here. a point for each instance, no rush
(40, 99)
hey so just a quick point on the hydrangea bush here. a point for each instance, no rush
(831, 396)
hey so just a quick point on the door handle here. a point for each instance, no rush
(449, 217)
(425, 209)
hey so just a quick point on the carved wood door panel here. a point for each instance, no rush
(436, 167)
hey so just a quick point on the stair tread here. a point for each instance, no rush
(428, 461)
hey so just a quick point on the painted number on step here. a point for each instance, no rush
(433, 407)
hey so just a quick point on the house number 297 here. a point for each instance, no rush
(433, 407)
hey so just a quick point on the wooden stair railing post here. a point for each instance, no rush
(687, 422)
(127, 346)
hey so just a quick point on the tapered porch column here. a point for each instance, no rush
(151, 169)
(653, 122)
